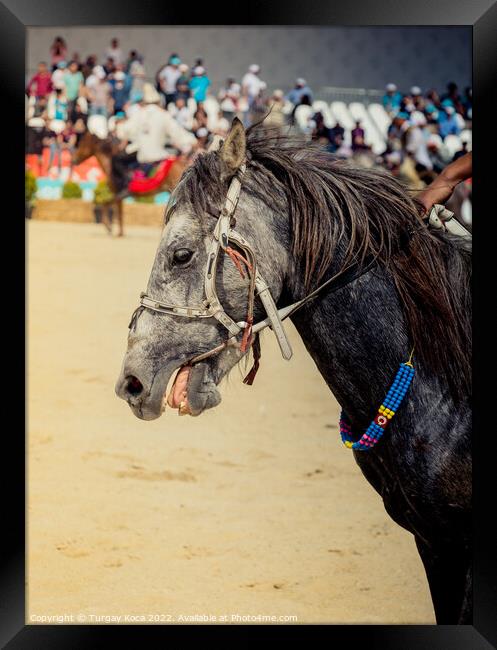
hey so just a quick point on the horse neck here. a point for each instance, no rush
(357, 338)
(105, 163)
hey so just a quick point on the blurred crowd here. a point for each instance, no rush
(69, 94)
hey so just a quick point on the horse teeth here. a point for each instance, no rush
(182, 409)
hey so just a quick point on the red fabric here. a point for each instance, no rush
(145, 185)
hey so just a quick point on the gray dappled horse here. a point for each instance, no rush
(386, 284)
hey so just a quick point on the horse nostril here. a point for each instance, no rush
(134, 385)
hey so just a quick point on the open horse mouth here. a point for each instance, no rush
(194, 390)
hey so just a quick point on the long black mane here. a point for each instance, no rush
(336, 208)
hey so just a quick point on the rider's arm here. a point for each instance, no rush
(442, 187)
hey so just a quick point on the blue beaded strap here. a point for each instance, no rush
(385, 413)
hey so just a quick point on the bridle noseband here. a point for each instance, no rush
(223, 234)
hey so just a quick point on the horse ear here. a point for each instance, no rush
(232, 152)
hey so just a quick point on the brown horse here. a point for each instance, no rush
(104, 150)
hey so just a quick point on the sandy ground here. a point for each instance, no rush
(254, 508)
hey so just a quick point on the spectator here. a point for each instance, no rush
(58, 52)
(276, 117)
(183, 83)
(80, 109)
(229, 97)
(337, 133)
(453, 96)
(252, 86)
(321, 133)
(88, 65)
(432, 115)
(41, 107)
(299, 91)
(38, 135)
(132, 58)
(76, 58)
(199, 84)
(97, 73)
(60, 105)
(436, 152)
(342, 149)
(448, 123)
(202, 136)
(396, 134)
(120, 88)
(183, 114)
(416, 146)
(417, 98)
(58, 76)
(200, 118)
(109, 66)
(136, 72)
(358, 137)
(114, 52)
(67, 140)
(50, 140)
(258, 109)
(73, 81)
(100, 93)
(391, 99)
(432, 99)
(167, 78)
(40, 85)
(199, 61)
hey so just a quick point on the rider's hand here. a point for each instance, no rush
(432, 195)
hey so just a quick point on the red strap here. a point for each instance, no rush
(256, 350)
(236, 257)
(246, 334)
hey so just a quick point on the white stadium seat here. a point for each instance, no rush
(36, 122)
(97, 124)
(467, 136)
(372, 136)
(302, 115)
(341, 114)
(380, 118)
(453, 144)
(57, 126)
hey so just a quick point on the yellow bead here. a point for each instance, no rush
(382, 408)
(348, 444)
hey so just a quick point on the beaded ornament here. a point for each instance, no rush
(385, 413)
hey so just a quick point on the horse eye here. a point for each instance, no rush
(182, 256)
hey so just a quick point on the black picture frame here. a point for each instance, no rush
(15, 16)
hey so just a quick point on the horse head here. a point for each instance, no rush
(161, 343)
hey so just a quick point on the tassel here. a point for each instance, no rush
(256, 350)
